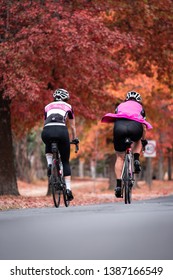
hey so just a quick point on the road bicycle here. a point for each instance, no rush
(127, 175)
(56, 180)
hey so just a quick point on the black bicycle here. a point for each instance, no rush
(128, 173)
(56, 179)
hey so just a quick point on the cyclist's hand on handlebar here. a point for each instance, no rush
(144, 143)
(75, 141)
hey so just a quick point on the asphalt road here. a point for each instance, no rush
(113, 231)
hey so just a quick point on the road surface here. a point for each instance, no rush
(112, 231)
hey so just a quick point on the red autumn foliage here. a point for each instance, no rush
(47, 44)
(88, 47)
(80, 45)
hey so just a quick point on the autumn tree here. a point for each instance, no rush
(150, 21)
(45, 44)
(158, 102)
(84, 46)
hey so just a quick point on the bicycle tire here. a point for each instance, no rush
(131, 179)
(57, 181)
(63, 186)
(56, 196)
(127, 190)
(129, 193)
(66, 201)
(126, 194)
(54, 180)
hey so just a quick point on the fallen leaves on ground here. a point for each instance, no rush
(86, 191)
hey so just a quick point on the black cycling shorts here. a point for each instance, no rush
(59, 134)
(124, 128)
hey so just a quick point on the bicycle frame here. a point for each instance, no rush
(127, 175)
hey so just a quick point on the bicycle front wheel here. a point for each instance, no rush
(54, 181)
(128, 195)
(127, 183)
(56, 193)
(66, 201)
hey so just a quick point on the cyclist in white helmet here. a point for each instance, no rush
(56, 114)
(129, 121)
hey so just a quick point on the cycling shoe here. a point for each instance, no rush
(118, 192)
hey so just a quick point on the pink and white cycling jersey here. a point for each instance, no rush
(128, 110)
(57, 112)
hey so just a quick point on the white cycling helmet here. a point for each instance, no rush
(61, 94)
(133, 95)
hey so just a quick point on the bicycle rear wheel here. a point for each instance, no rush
(127, 182)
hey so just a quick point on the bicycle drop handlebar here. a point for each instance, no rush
(144, 143)
(76, 145)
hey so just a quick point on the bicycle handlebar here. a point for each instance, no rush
(144, 143)
(76, 145)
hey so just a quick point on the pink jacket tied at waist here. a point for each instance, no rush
(127, 110)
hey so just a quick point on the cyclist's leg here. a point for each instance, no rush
(120, 133)
(64, 149)
(137, 147)
(45, 135)
(136, 130)
(119, 164)
(118, 172)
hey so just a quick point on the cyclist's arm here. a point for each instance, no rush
(144, 132)
(73, 127)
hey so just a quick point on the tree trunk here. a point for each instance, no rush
(111, 170)
(8, 181)
(23, 166)
(37, 168)
(81, 167)
(149, 172)
(93, 168)
(28, 150)
(161, 166)
(170, 152)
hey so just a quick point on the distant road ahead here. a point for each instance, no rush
(142, 230)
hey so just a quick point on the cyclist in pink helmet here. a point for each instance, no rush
(129, 121)
(55, 114)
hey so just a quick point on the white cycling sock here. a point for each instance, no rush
(68, 182)
(49, 158)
